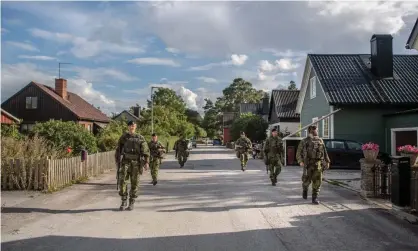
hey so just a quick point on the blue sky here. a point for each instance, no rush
(117, 50)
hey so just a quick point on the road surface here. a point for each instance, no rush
(210, 204)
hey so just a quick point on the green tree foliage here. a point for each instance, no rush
(199, 132)
(254, 127)
(108, 137)
(11, 131)
(211, 121)
(169, 99)
(240, 91)
(66, 134)
(193, 117)
(292, 86)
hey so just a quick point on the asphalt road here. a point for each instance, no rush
(210, 204)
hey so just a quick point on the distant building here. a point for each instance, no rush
(8, 119)
(282, 115)
(128, 116)
(261, 108)
(412, 42)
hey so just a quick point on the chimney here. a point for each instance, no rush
(136, 110)
(61, 87)
(382, 56)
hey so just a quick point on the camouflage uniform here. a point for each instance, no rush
(243, 146)
(135, 153)
(312, 152)
(182, 151)
(274, 151)
(157, 151)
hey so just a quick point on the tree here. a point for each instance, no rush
(211, 121)
(109, 136)
(240, 91)
(66, 134)
(292, 86)
(169, 99)
(254, 127)
(193, 117)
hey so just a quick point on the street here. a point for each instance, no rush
(210, 204)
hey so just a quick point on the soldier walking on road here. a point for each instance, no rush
(313, 157)
(132, 157)
(274, 152)
(182, 151)
(243, 146)
(157, 151)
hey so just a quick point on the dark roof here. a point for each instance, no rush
(286, 101)
(255, 108)
(128, 112)
(346, 79)
(413, 36)
(76, 104)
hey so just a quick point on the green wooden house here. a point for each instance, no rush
(376, 96)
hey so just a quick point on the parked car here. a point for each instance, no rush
(189, 144)
(216, 142)
(346, 154)
(194, 143)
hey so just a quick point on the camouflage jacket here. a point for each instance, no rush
(243, 144)
(144, 152)
(310, 146)
(157, 149)
(181, 145)
(274, 147)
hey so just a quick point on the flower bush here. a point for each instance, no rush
(370, 146)
(408, 149)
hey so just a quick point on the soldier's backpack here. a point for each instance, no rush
(314, 148)
(132, 147)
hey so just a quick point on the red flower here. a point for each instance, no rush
(69, 150)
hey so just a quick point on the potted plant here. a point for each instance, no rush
(409, 151)
(370, 151)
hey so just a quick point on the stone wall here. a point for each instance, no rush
(367, 177)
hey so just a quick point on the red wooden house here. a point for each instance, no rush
(8, 119)
(39, 103)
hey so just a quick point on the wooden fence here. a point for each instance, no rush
(51, 174)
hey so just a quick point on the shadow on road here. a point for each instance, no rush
(346, 230)
(23, 210)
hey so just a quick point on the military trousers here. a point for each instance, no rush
(275, 166)
(129, 172)
(313, 175)
(182, 157)
(243, 157)
(155, 167)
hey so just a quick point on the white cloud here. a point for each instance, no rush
(172, 50)
(283, 64)
(236, 60)
(16, 76)
(85, 48)
(43, 58)
(288, 53)
(102, 74)
(208, 80)
(23, 46)
(3, 30)
(154, 61)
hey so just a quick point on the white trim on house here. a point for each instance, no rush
(331, 131)
(393, 138)
(323, 128)
(312, 87)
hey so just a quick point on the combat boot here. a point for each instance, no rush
(315, 199)
(305, 194)
(131, 205)
(154, 182)
(123, 205)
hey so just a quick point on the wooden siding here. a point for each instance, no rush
(47, 107)
(6, 120)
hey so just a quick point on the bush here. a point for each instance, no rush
(62, 135)
(108, 137)
(11, 131)
(254, 127)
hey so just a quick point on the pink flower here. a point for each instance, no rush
(408, 149)
(370, 146)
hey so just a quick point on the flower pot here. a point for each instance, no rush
(412, 156)
(370, 155)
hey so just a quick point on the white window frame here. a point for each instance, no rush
(312, 87)
(323, 128)
(393, 137)
(31, 103)
(314, 120)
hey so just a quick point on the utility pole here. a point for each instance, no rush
(59, 69)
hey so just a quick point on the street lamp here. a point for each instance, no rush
(152, 107)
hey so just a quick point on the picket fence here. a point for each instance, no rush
(52, 174)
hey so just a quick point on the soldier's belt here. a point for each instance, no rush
(131, 157)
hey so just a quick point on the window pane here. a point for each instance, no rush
(333, 144)
(353, 145)
(325, 132)
(28, 102)
(34, 102)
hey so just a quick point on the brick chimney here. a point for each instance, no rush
(61, 87)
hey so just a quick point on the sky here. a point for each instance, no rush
(118, 50)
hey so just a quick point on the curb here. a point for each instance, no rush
(394, 210)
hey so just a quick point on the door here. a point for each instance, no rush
(354, 154)
(337, 152)
(405, 138)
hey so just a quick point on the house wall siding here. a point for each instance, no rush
(6, 120)
(398, 121)
(48, 108)
(316, 107)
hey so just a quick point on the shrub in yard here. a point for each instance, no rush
(11, 131)
(108, 137)
(62, 135)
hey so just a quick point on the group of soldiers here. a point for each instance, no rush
(134, 155)
(311, 155)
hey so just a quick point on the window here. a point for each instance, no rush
(335, 144)
(351, 145)
(325, 128)
(26, 127)
(31, 102)
(305, 133)
(312, 84)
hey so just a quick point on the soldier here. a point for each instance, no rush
(274, 152)
(243, 146)
(313, 157)
(132, 157)
(157, 151)
(182, 151)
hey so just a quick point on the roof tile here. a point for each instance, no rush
(286, 101)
